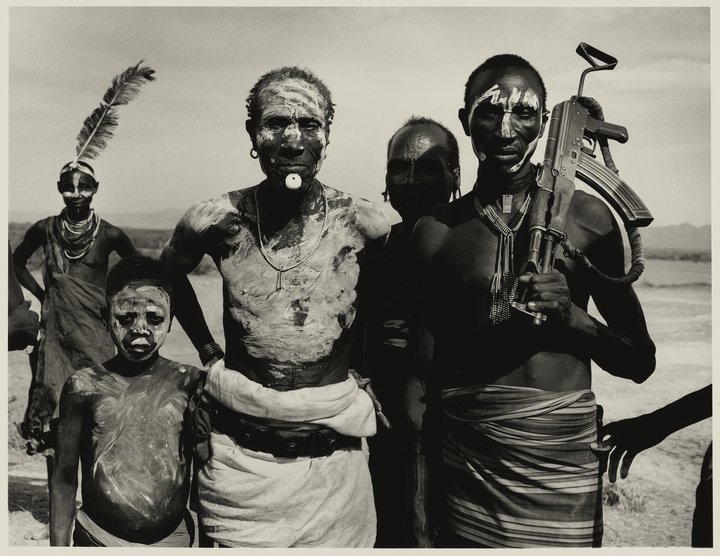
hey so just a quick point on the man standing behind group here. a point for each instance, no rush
(286, 466)
(510, 401)
(423, 170)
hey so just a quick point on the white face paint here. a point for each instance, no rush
(516, 104)
(77, 188)
(139, 320)
(291, 135)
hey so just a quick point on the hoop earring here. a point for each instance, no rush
(253, 153)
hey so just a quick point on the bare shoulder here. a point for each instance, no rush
(187, 375)
(429, 234)
(371, 220)
(202, 228)
(111, 231)
(208, 213)
(84, 382)
(592, 215)
(41, 225)
(37, 232)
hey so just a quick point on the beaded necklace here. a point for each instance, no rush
(76, 237)
(503, 287)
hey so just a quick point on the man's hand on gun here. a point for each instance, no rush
(549, 294)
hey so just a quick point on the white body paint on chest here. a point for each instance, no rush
(301, 322)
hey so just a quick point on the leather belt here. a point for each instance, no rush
(282, 443)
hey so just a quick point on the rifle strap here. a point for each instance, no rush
(637, 262)
(503, 287)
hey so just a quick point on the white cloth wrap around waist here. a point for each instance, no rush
(343, 407)
(254, 499)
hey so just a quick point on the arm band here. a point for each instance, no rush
(208, 351)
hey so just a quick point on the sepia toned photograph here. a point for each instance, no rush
(359, 277)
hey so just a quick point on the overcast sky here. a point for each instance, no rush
(183, 138)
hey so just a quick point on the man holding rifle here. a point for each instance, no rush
(505, 458)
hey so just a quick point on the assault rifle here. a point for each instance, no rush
(567, 157)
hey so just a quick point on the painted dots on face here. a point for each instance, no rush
(139, 320)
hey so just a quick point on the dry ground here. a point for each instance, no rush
(653, 506)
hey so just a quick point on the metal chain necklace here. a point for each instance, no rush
(280, 268)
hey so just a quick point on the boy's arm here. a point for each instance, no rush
(64, 482)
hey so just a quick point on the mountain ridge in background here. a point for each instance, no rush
(679, 237)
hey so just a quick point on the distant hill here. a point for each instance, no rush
(659, 241)
(682, 237)
(160, 220)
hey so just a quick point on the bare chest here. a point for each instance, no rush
(293, 298)
(137, 422)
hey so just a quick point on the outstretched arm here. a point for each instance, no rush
(628, 437)
(64, 482)
(33, 240)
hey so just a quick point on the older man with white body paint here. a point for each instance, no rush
(511, 416)
(288, 465)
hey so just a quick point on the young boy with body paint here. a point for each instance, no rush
(123, 420)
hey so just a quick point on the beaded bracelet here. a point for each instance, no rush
(208, 351)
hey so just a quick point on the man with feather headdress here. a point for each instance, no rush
(77, 245)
